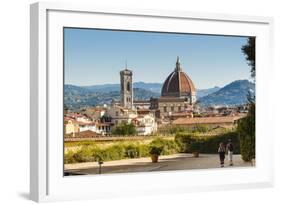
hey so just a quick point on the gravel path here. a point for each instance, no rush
(165, 163)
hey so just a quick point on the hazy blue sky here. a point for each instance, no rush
(96, 57)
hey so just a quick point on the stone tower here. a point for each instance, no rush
(126, 86)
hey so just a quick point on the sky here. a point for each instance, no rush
(94, 57)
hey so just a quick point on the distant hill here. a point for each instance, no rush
(234, 93)
(103, 88)
(76, 97)
(153, 87)
(203, 92)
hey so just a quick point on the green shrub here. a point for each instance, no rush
(136, 150)
(247, 147)
(125, 129)
(68, 158)
(168, 146)
(183, 140)
(132, 151)
(208, 144)
(175, 129)
(114, 152)
(83, 155)
(200, 128)
(120, 150)
(155, 150)
(143, 150)
(195, 145)
(246, 129)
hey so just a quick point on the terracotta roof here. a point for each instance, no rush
(141, 101)
(84, 134)
(205, 120)
(178, 114)
(178, 83)
(68, 118)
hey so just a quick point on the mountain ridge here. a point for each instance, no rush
(234, 93)
(82, 96)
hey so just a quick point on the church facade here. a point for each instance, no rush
(178, 94)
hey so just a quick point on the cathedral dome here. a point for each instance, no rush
(178, 84)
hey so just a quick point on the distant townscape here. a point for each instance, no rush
(100, 110)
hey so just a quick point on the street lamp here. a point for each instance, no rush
(100, 163)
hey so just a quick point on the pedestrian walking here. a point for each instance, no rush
(230, 148)
(221, 152)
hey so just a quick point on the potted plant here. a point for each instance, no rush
(195, 147)
(155, 151)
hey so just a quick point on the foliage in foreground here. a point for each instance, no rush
(120, 150)
(246, 130)
(204, 144)
(183, 143)
(124, 129)
(197, 129)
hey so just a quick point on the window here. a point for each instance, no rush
(128, 86)
(116, 113)
(179, 108)
(165, 109)
(172, 108)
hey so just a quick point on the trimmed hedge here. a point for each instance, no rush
(184, 143)
(168, 146)
(121, 150)
(208, 144)
(247, 133)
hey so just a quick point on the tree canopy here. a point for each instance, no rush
(247, 126)
(249, 51)
(125, 129)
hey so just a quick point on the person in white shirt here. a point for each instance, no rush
(230, 148)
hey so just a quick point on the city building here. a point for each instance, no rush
(70, 126)
(95, 113)
(126, 88)
(83, 126)
(119, 114)
(145, 124)
(178, 93)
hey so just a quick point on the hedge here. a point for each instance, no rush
(208, 144)
(121, 150)
(183, 143)
(168, 146)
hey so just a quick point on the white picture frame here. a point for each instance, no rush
(46, 132)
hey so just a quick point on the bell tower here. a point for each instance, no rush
(126, 88)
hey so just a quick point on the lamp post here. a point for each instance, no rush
(100, 163)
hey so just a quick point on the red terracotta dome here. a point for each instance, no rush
(178, 84)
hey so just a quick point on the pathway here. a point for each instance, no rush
(166, 163)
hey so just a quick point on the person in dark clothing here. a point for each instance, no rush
(221, 152)
(230, 148)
